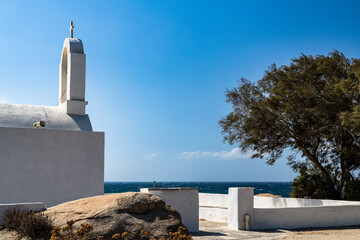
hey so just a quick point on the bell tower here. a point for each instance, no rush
(72, 76)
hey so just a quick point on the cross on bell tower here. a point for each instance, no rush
(71, 29)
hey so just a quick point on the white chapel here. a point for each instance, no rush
(51, 154)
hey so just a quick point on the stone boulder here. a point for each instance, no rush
(110, 214)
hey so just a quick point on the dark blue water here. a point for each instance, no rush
(277, 188)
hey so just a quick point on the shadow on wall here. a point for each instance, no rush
(82, 121)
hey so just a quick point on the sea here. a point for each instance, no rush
(277, 188)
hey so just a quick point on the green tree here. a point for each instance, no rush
(310, 108)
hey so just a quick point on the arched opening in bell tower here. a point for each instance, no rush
(64, 74)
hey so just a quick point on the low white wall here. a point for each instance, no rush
(305, 217)
(274, 202)
(36, 206)
(184, 200)
(50, 166)
(213, 200)
(213, 207)
(213, 214)
(272, 212)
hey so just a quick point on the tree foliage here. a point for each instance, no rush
(309, 107)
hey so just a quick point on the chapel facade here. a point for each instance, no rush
(51, 154)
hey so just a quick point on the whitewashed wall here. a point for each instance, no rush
(213, 200)
(213, 207)
(305, 217)
(271, 212)
(50, 166)
(274, 202)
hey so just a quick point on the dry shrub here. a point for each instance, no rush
(123, 236)
(67, 232)
(181, 234)
(28, 223)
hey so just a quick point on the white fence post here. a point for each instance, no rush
(240, 205)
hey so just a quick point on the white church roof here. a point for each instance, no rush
(70, 112)
(24, 116)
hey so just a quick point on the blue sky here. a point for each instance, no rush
(157, 72)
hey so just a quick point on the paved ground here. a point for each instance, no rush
(212, 231)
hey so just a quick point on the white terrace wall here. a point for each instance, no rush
(305, 217)
(271, 213)
(213, 207)
(275, 202)
(50, 166)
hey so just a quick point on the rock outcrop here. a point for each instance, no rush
(110, 214)
(7, 234)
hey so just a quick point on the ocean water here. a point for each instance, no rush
(277, 188)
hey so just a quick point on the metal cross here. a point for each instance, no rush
(71, 29)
